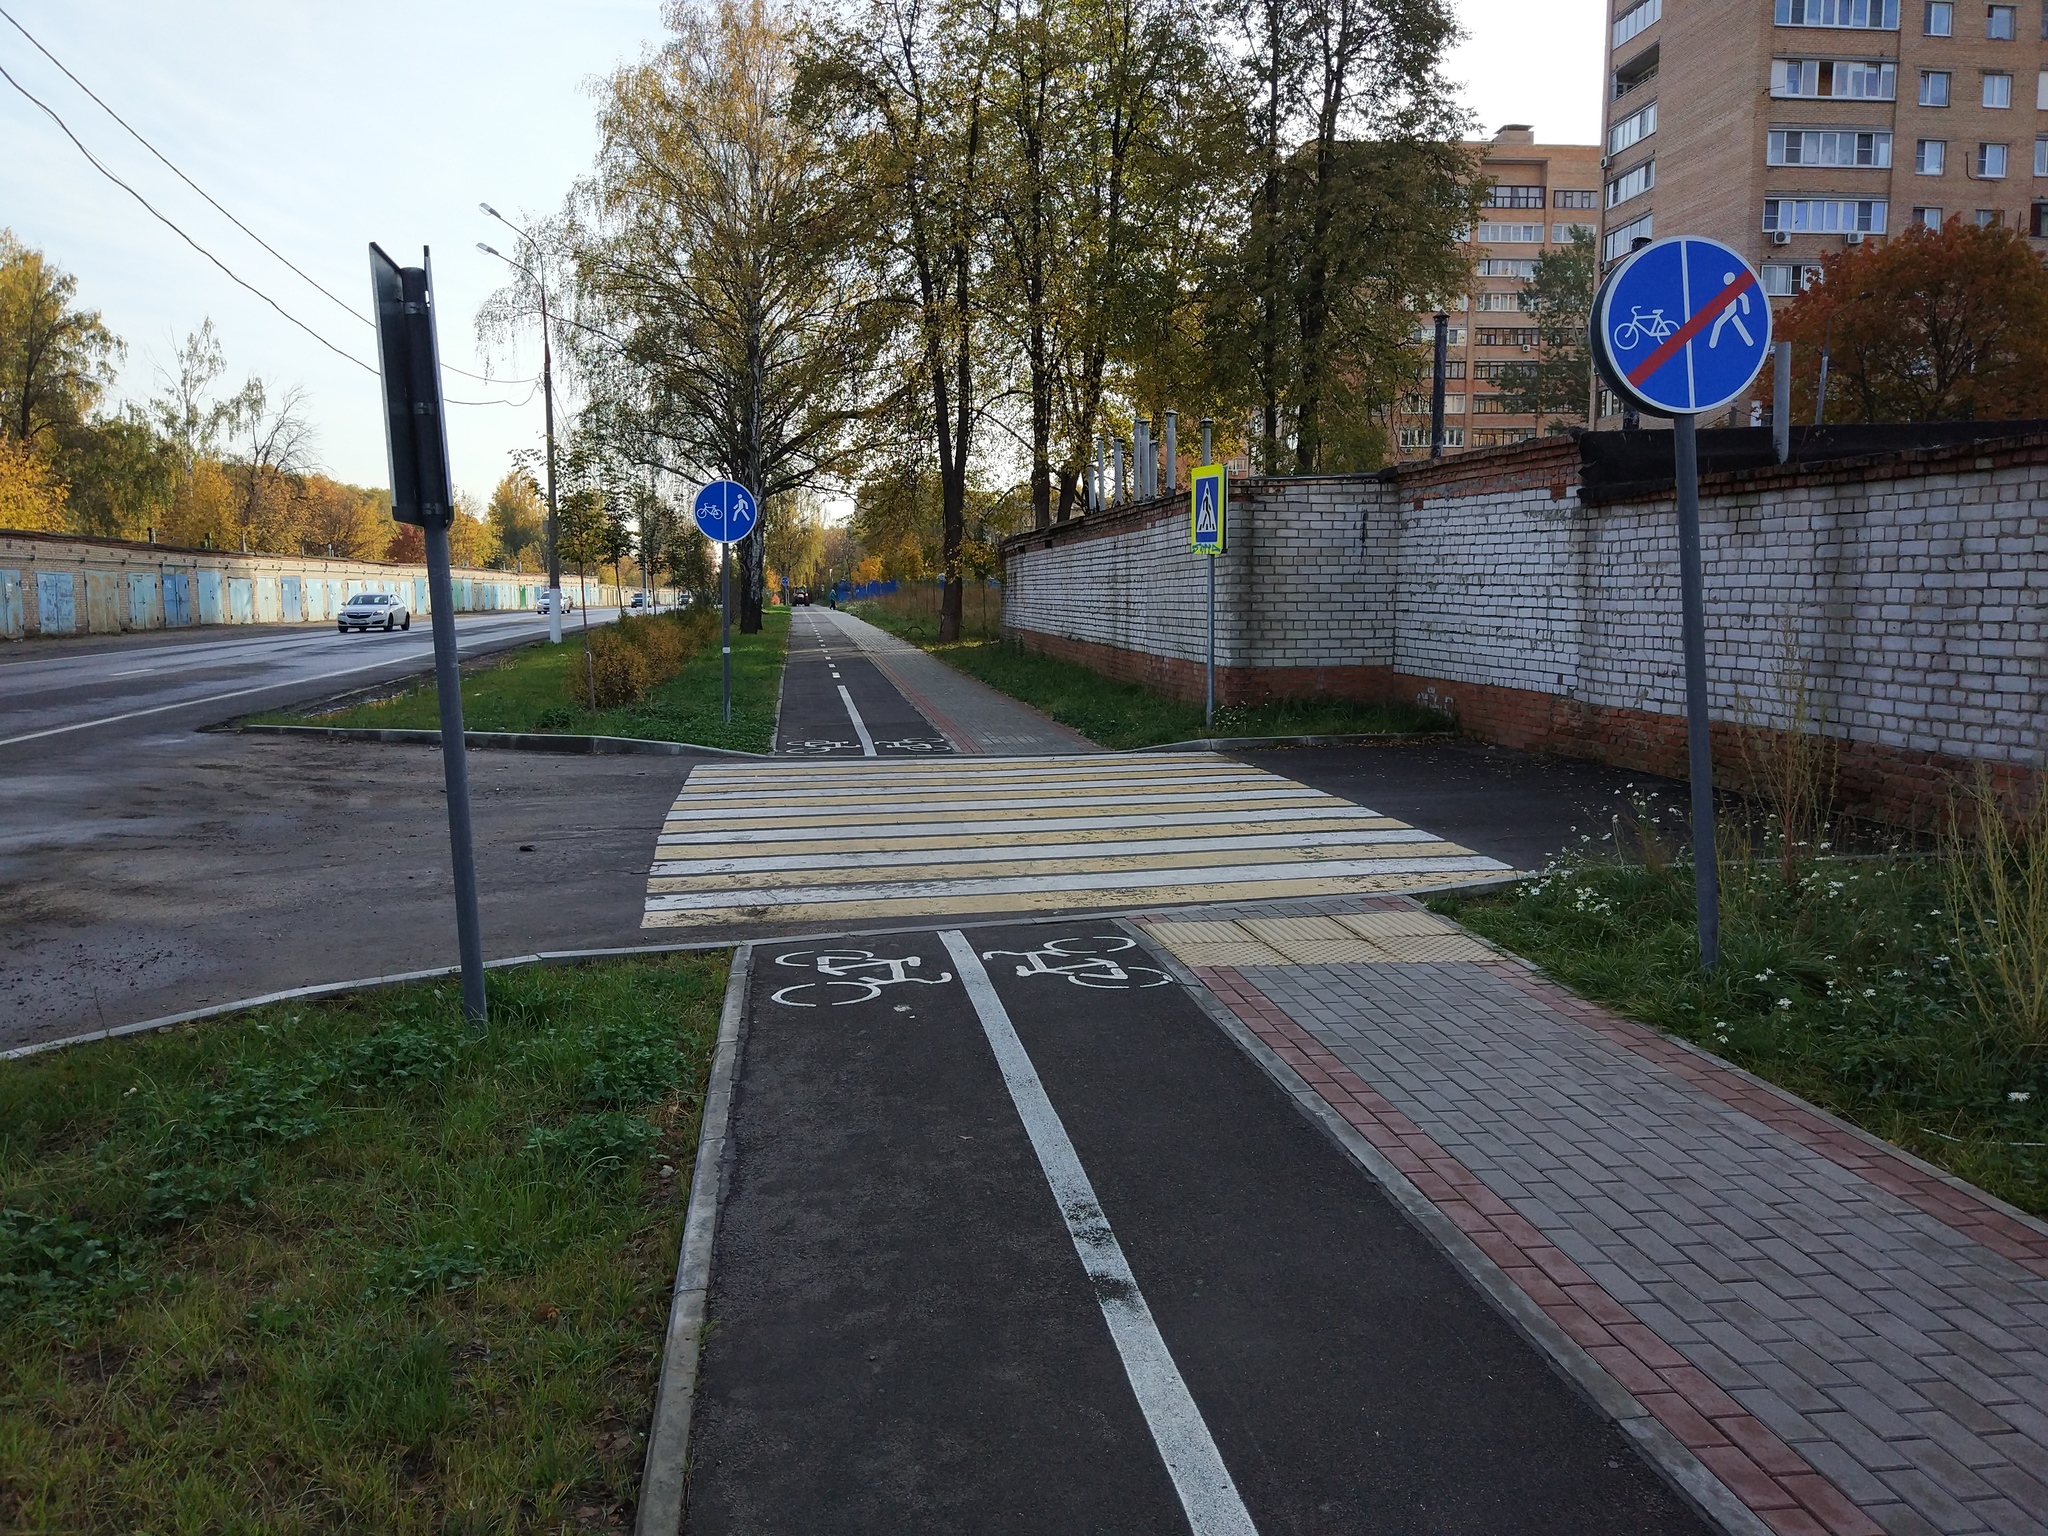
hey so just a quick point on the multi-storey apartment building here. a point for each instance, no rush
(1789, 128)
(1540, 193)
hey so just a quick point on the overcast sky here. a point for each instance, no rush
(324, 127)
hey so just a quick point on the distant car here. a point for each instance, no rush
(568, 604)
(800, 596)
(639, 600)
(373, 610)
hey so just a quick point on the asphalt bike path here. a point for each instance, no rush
(1016, 1239)
(837, 703)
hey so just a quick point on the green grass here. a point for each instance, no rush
(1838, 986)
(528, 690)
(1126, 715)
(350, 1266)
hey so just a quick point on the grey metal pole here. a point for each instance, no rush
(1116, 479)
(1820, 391)
(725, 619)
(1436, 386)
(1781, 400)
(1141, 460)
(1698, 737)
(1209, 688)
(1172, 458)
(547, 374)
(1208, 450)
(469, 934)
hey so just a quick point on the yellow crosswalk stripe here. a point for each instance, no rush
(819, 842)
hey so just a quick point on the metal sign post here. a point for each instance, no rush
(1680, 328)
(416, 439)
(725, 512)
(1208, 511)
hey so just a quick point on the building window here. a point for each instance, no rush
(1519, 336)
(1838, 13)
(1500, 303)
(1637, 72)
(1491, 405)
(1999, 23)
(1822, 146)
(1511, 234)
(2037, 221)
(1933, 87)
(1632, 130)
(1621, 241)
(1632, 183)
(1782, 279)
(1989, 218)
(1633, 22)
(1515, 197)
(2041, 157)
(2041, 82)
(1575, 199)
(1927, 218)
(1506, 266)
(1998, 90)
(1564, 234)
(1940, 19)
(1990, 162)
(1930, 157)
(1824, 215)
(1418, 437)
(1454, 336)
(1502, 437)
(1845, 79)
(1494, 371)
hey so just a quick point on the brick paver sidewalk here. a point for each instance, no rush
(973, 716)
(1846, 1339)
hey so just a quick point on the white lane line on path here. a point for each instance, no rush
(860, 726)
(217, 698)
(1207, 1493)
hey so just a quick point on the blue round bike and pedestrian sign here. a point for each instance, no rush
(726, 512)
(1681, 327)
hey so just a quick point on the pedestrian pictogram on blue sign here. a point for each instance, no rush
(1681, 327)
(725, 511)
(1208, 510)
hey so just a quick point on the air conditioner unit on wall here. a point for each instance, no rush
(1781, 237)
(1854, 237)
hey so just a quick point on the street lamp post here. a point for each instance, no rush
(547, 389)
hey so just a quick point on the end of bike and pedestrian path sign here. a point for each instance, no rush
(1681, 328)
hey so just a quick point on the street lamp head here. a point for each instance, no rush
(488, 250)
(487, 208)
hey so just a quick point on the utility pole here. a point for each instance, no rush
(547, 384)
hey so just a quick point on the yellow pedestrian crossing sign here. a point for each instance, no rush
(1208, 509)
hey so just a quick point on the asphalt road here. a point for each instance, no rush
(123, 686)
(946, 1300)
(837, 703)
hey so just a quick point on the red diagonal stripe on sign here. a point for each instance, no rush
(1692, 327)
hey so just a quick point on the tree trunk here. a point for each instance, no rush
(1070, 489)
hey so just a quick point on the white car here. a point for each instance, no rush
(568, 604)
(373, 610)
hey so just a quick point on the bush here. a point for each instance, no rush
(634, 655)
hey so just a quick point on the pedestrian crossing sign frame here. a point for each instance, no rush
(1209, 510)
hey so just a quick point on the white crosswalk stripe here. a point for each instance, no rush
(822, 841)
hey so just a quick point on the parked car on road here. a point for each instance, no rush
(373, 610)
(568, 604)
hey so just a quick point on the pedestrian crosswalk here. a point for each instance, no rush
(823, 842)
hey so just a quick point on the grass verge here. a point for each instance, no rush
(529, 690)
(350, 1265)
(1837, 982)
(1126, 715)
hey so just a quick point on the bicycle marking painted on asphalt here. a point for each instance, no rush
(859, 972)
(1093, 966)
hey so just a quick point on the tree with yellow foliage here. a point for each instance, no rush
(31, 495)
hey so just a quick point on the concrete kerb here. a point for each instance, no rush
(1686, 1473)
(662, 1483)
(505, 741)
(1271, 743)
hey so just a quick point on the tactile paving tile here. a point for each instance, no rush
(1390, 925)
(1282, 930)
(1438, 948)
(1245, 953)
(1334, 952)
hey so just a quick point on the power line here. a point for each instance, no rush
(202, 250)
(351, 310)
